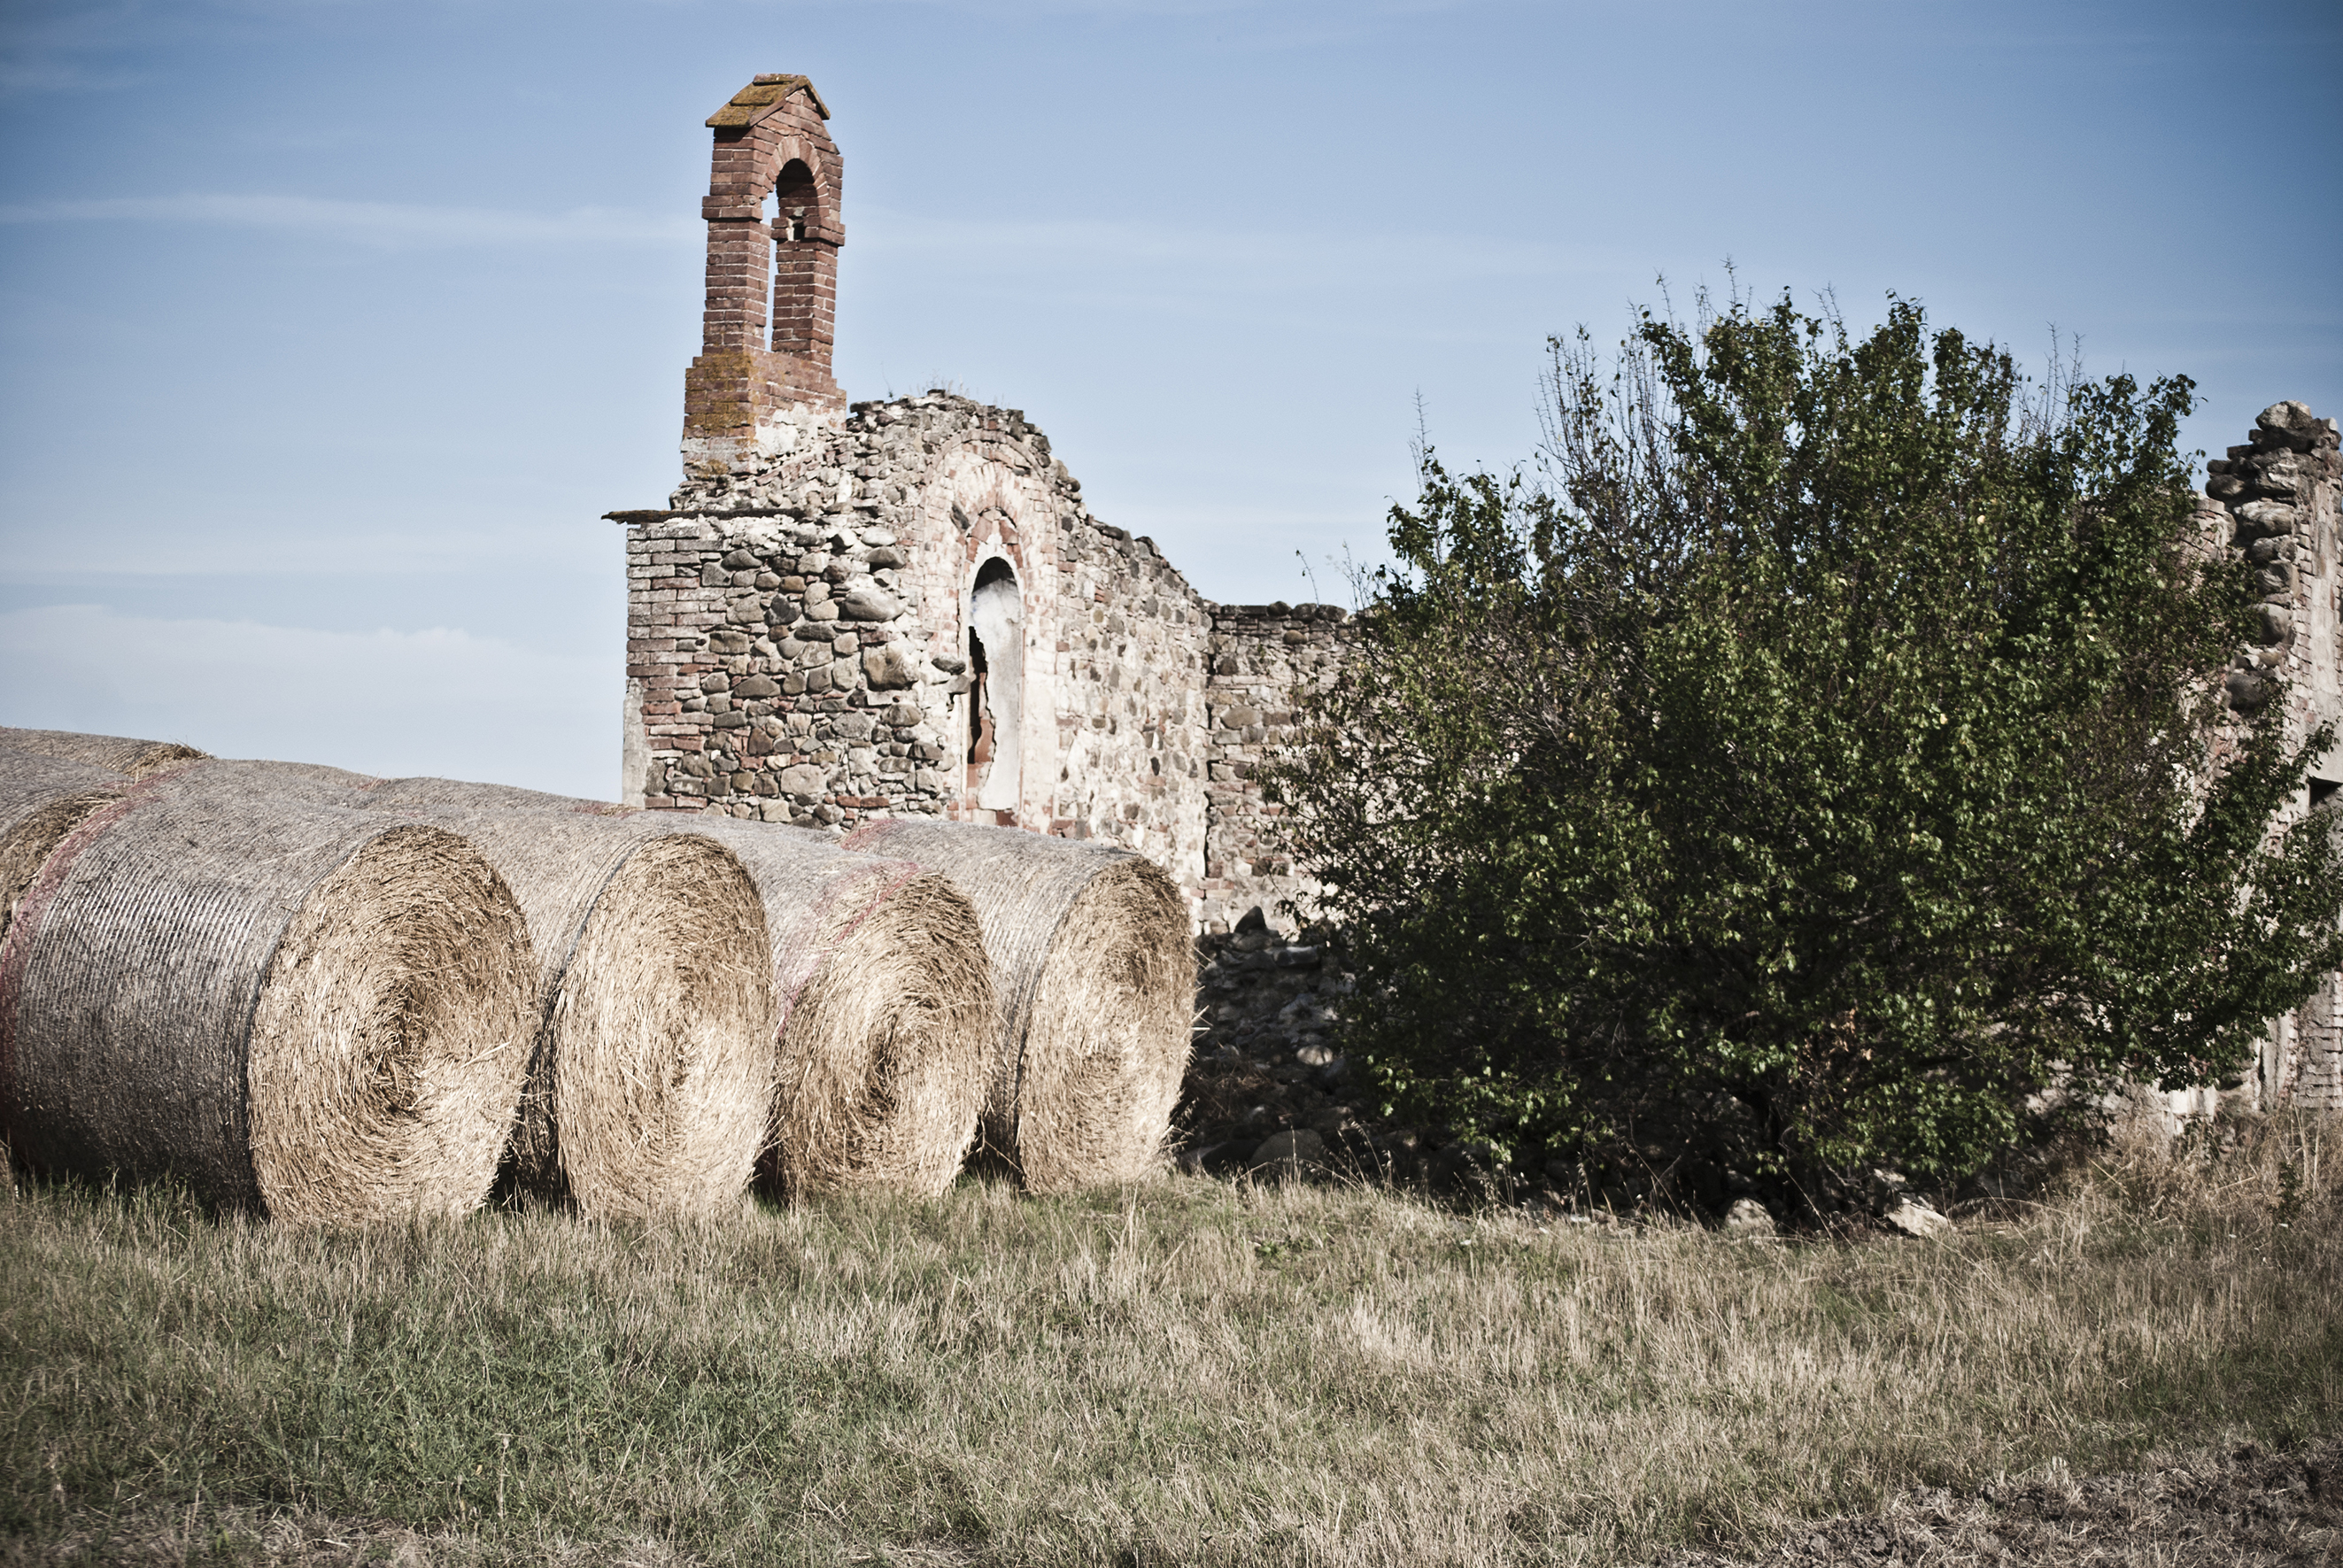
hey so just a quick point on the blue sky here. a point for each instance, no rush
(327, 331)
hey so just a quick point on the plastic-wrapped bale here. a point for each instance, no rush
(307, 1011)
(884, 1003)
(1097, 977)
(41, 799)
(133, 759)
(651, 1075)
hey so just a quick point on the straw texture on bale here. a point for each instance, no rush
(650, 1084)
(41, 799)
(1097, 979)
(888, 1015)
(132, 759)
(310, 783)
(884, 1002)
(305, 1009)
(495, 797)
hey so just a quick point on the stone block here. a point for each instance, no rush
(874, 604)
(2259, 519)
(805, 780)
(889, 668)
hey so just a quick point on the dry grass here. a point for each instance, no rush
(1179, 1371)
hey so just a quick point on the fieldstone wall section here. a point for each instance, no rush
(1262, 654)
(2273, 501)
(1134, 743)
(799, 636)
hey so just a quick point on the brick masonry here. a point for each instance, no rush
(774, 188)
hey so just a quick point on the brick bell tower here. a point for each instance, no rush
(773, 234)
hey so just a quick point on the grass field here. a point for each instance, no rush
(1188, 1371)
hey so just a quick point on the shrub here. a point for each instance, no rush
(1811, 761)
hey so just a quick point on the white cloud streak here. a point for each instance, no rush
(386, 225)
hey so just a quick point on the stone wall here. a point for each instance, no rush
(2273, 502)
(1262, 655)
(800, 651)
(1134, 743)
(761, 693)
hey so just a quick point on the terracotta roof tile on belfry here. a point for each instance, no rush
(761, 97)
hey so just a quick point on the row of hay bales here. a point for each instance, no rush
(331, 998)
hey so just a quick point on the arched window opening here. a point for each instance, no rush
(792, 214)
(795, 195)
(996, 658)
(979, 712)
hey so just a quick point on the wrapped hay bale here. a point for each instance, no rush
(884, 1009)
(651, 1079)
(133, 759)
(307, 1011)
(41, 799)
(1097, 979)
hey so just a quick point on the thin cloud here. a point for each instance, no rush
(388, 225)
(1261, 259)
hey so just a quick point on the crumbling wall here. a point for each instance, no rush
(1132, 647)
(764, 689)
(799, 650)
(1262, 655)
(2273, 502)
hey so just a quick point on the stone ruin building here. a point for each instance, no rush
(858, 609)
(904, 608)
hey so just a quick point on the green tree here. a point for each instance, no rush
(1814, 759)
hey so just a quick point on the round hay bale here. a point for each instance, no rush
(310, 782)
(305, 1011)
(888, 1015)
(1097, 977)
(133, 759)
(497, 798)
(651, 1090)
(884, 1004)
(651, 1081)
(41, 799)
